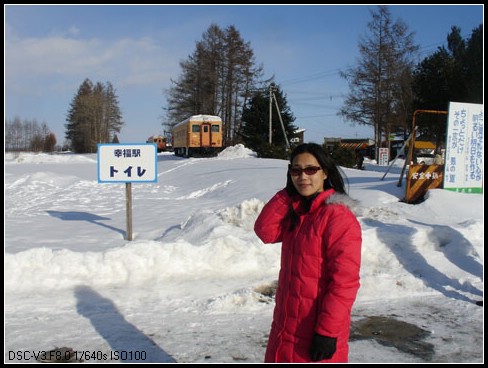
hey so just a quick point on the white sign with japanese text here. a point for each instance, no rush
(127, 163)
(464, 148)
(383, 159)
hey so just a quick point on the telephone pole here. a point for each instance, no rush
(281, 121)
(271, 86)
(272, 97)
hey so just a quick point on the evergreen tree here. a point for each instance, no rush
(49, 142)
(450, 74)
(255, 124)
(473, 66)
(94, 116)
(79, 118)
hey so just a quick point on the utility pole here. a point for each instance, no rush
(281, 121)
(271, 86)
(272, 97)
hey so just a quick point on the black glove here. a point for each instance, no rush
(323, 347)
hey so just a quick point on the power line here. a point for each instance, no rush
(310, 77)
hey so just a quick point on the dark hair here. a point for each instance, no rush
(335, 176)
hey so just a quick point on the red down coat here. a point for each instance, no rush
(319, 275)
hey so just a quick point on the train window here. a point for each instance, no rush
(215, 128)
(195, 128)
(205, 129)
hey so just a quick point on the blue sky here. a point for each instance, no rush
(50, 50)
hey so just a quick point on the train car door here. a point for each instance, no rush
(205, 134)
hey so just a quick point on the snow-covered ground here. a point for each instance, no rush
(191, 287)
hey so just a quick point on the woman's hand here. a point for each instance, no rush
(323, 347)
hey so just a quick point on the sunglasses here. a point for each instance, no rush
(310, 170)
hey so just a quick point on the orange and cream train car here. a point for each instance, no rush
(161, 142)
(198, 135)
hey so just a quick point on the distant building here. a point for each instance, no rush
(298, 137)
(365, 145)
(330, 142)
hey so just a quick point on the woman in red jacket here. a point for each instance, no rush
(320, 260)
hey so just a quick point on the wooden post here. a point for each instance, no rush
(128, 197)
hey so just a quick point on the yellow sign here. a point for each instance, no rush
(420, 179)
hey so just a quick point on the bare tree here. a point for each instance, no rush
(217, 79)
(28, 135)
(380, 85)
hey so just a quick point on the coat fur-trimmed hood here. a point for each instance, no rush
(345, 200)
